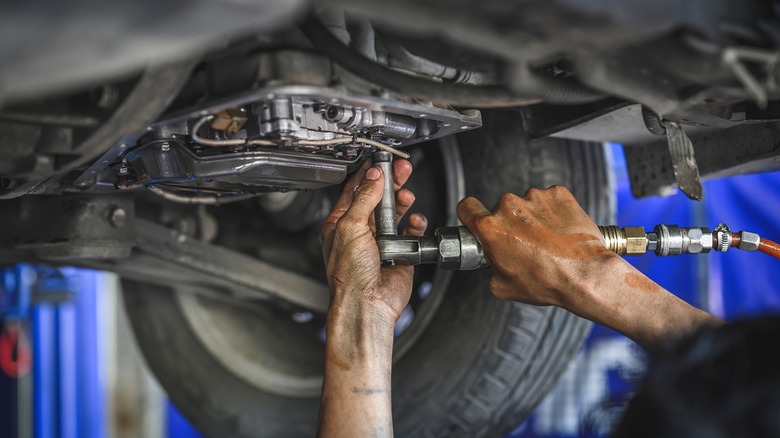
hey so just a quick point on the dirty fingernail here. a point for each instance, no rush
(373, 174)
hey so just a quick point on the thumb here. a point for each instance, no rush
(367, 197)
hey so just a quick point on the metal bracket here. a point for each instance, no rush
(686, 171)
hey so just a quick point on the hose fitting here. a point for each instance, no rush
(626, 240)
(665, 240)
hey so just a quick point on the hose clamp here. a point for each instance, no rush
(723, 237)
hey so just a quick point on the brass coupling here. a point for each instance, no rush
(665, 240)
(626, 240)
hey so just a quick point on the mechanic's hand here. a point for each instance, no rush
(350, 249)
(541, 247)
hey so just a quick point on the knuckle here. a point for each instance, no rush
(345, 226)
(533, 193)
(486, 221)
(561, 192)
(508, 199)
(404, 198)
(364, 193)
(327, 227)
(462, 205)
(498, 288)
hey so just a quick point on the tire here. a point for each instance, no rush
(480, 367)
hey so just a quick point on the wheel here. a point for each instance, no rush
(466, 365)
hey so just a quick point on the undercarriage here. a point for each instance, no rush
(197, 161)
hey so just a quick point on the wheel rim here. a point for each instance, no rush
(284, 355)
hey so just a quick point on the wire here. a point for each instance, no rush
(346, 140)
(261, 142)
(383, 147)
(328, 142)
(537, 87)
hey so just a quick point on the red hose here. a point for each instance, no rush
(735, 240)
(768, 247)
(764, 245)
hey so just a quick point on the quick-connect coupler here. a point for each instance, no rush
(664, 240)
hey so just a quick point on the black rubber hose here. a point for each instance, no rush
(540, 88)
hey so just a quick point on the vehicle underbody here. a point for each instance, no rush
(196, 147)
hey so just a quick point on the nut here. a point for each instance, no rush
(449, 248)
(749, 241)
(698, 239)
(652, 241)
(636, 240)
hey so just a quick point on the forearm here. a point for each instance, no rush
(358, 358)
(622, 298)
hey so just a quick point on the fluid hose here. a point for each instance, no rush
(671, 240)
(764, 245)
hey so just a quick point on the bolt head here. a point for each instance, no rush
(118, 217)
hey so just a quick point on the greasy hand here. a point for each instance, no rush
(351, 254)
(542, 248)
